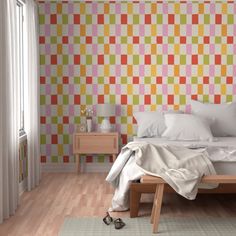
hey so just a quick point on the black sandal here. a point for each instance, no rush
(107, 219)
(119, 224)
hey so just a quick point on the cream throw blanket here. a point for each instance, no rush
(180, 167)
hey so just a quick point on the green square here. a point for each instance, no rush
(65, 59)
(101, 158)
(89, 59)
(77, 119)
(194, 80)
(182, 99)
(170, 80)
(123, 40)
(159, 18)
(54, 159)
(171, 40)
(217, 80)
(101, 40)
(65, 99)
(76, 80)
(183, 19)
(206, 19)
(112, 59)
(123, 80)
(135, 19)
(147, 80)
(230, 19)
(135, 59)
(42, 99)
(65, 19)
(159, 59)
(229, 98)
(206, 59)
(89, 99)
(65, 139)
(54, 120)
(135, 99)
(206, 98)
(53, 80)
(42, 59)
(159, 99)
(112, 19)
(88, 19)
(218, 39)
(76, 39)
(53, 39)
(41, 19)
(182, 60)
(123, 119)
(195, 40)
(230, 59)
(147, 39)
(101, 80)
(112, 99)
(42, 139)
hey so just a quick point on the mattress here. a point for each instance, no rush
(222, 152)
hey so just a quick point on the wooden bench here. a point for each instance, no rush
(160, 184)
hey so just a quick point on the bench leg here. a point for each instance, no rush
(134, 202)
(156, 209)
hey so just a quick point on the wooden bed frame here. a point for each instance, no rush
(136, 190)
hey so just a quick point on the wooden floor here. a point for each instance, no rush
(43, 210)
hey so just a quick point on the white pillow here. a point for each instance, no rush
(224, 116)
(186, 127)
(150, 123)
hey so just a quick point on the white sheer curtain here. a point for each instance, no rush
(9, 125)
(32, 113)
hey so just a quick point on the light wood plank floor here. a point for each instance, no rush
(42, 211)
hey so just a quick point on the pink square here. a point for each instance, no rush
(165, 8)
(189, 49)
(188, 89)
(95, 49)
(118, 70)
(141, 30)
(141, 89)
(212, 70)
(94, 70)
(188, 70)
(165, 89)
(211, 89)
(212, 49)
(94, 8)
(164, 70)
(189, 30)
(165, 48)
(118, 30)
(141, 49)
(141, 108)
(95, 89)
(118, 49)
(118, 89)
(142, 8)
(164, 107)
(189, 8)
(94, 30)
(117, 8)
(141, 70)
(212, 30)
(212, 8)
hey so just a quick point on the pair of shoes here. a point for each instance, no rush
(117, 222)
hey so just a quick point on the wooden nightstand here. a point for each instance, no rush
(95, 143)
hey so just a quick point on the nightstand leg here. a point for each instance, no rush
(78, 162)
(114, 157)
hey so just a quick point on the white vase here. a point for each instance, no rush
(89, 125)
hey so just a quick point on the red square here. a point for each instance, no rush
(205, 80)
(100, 19)
(112, 80)
(159, 80)
(76, 19)
(230, 39)
(206, 39)
(135, 80)
(88, 39)
(123, 99)
(147, 59)
(89, 159)
(112, 39)
(136, 39)
(229, 80)
(182, 80)
(112, 119)
(89, 80)
(194, 59)
(43, 159)
(53, 59)
(194, 97)
(54, 139)
(159, 39)
(42, 120)
(170, 99)
(65, 119)
(76, 99)
(41, 39)
(123, 19)
(218, 19)
(65, 80)
(194, 19)
(170, 59)
(124, 138)
(123, 59)
(134, 121)
(183, 39)
(148, 19)
(147, 99)
(217, 99)
(100, 99)
(53, 19)
(171, 19)
(42, 80)
(76, 59)
(53, 99)
(100, 59)
(65, 159)
(65, 39)
(217, 59)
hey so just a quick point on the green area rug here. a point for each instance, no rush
(176, 226)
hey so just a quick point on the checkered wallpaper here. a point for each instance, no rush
(139, 56)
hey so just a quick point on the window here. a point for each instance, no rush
(20, 60)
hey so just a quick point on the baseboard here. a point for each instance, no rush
(22, 186)
(71, 167)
